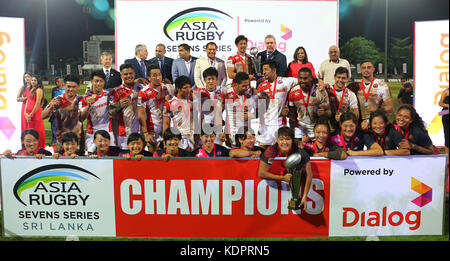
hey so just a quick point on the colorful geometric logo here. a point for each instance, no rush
(197, 14)
(47, 174)
(426, 193)
(287, 31)
(7, 127)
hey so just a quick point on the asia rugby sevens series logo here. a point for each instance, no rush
(53, 184)
(426, 193)
(199, 23)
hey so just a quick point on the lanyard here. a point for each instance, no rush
(363, 88)
(124, 90)
(316, 149)
(303, 98)
(98, 152)
(274, 91)
(342, 97)
(407, 134)
(244, 64)
(344, 143)
(206, 154)
(379, 140)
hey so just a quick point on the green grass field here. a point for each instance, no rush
(395, 88)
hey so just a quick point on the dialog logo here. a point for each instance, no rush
(287, 32)
(56, 184)
(426, 193)
(196, 24)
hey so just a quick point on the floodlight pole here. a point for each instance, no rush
(46, 35)
(386, 42)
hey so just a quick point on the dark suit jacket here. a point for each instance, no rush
(114, 79)
(279, 58)
(137, 68)
(167, 66)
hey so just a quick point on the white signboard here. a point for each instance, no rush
(431, 74)
(58, 197)
(381, 196)
(199, 22)
(12, 67)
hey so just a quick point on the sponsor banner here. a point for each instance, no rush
(214, 198)
(387, 196)
(199, 22)
(431, 73)
(61, 197)
(12, 65)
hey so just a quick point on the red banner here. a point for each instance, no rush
(214, 198)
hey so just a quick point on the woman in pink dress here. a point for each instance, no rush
(300, 60)
(33, 109)
(21, 96)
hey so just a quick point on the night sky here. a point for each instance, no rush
(69, 26)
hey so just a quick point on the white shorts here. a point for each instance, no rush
(90, 146)
(122, 142)
(186, 143)
(268, 134)
(300, 131)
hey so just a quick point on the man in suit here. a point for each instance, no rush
(184, 65)
(139, 63)
(164, 63)
(113, 78)
(271, 53)
(210, 60)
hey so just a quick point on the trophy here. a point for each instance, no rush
(256, 63)
(293, 166)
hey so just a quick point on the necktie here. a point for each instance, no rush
(107, 76)
(143, 68)
(161, 66)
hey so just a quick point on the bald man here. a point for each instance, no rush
(329, 66)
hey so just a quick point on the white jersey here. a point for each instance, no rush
(276, 94)
(153, 101)
(371, 96)
(207, 105)
(235, 105)
(98, 117)
(342, 100)
(180, 113)
(128, 121)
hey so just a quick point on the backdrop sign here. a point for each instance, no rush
(12, 66)
(220, 198)
(199, 22)
(431, 74)
(387, 196)
(58, 197)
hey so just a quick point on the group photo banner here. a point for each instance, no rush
(199, 22)
(220, 198)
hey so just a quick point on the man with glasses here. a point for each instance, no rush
(329, 66)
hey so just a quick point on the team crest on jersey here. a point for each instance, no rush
(280, 81)
(375, 85)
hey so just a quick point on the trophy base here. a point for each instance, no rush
(294, 204)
